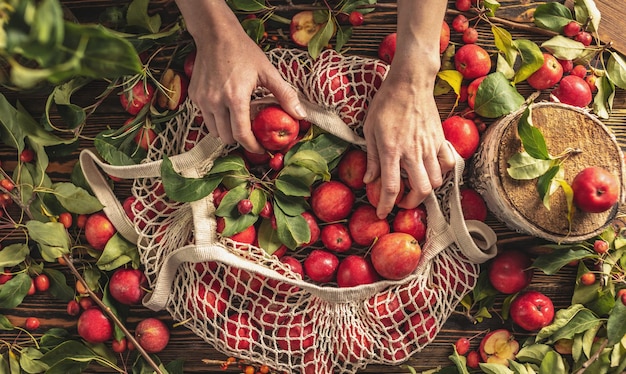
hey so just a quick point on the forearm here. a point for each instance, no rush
(207, 17)
(419, 28)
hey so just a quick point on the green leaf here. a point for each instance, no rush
(344, 33)
(491, 368)
(137, 15)
(616, 69)
(291, 205)
(292, 230)
(311, 160)
(29, 360)
(58, 285)
(546, 184)
(568, 322)
(5, 324)
(108, 149)
(229, 163)
(13, 254)
(552, 16)
(182, 189)
(616, 327)
(53, 337)
(552, 364)
(14, 291)
(522, 166)
(552, 262)
(75, 199)
(117, 252)
(497, 97)
(503, 66)
(564, 48)
(531, 56)
(603, 99)
(292, 186)
(228, 205)
(235, 225)
(68, 357)
(532, 139)
(320, 40)
(492, 6)
(51, 237)
(533, 353)
(504, 42)
(459, 361)
(255, 28)
(587, 10)
(258, 198)
(268, 237)
(73, 115)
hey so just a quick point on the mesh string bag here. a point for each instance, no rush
(247, 303)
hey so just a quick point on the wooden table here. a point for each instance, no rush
(192, 349)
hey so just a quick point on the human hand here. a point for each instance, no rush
(227, 69)
(403, 132)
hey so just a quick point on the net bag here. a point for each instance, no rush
(250, 305)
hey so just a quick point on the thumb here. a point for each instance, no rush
(285, 94)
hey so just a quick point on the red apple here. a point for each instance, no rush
(274, 128)
(411, 221)
(174, 89)
(94, 326)
(239, 334)
(472, 90)
(416, 297)
(463, 134)
(396, 255)
(296, 334)
(128, 286)
(247, 236)
(510, 271)
(314, 228)
(460, 23)
(355, 18)
(152, 335)
(336, 237)
(532, 310)
(387, 48)
(268, 313)
(473, 205)
(303, 27)
(243, 282)
(421, 327)
(256, 158)
(573, 90)
(444, 36)
(395, 346)
(332, 201)
(351, 168)
(584, 37)
(595, 190)
(498, 347)
(571, 29)
(355, 270)
(335, 84)
(472, 61)
(352, 345)
(463, 5)
(579, 71)
(281, 288)
(134, 99)
(98, 230)
(386, 309)
(549, 74)
(365, 226)
(209, 298)
(321, 266)
(373, 191)
(567, 65)
(189, 63)
(470, 35)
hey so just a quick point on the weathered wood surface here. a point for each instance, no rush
(192, 349)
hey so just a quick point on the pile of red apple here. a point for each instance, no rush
(349, 244)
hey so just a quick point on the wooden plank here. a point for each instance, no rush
(613, 23)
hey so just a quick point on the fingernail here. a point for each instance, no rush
(300, 111)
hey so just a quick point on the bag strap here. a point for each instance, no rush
(206, 149)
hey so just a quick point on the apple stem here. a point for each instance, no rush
(110, 314)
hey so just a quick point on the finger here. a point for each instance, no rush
(241, 128)
(373, 163)
(419, 182)
(285, 94)
(209, 121)
(390, 184)
(222, 122)
(447, 158)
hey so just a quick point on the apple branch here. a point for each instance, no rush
(105, 308)
(593, 357)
